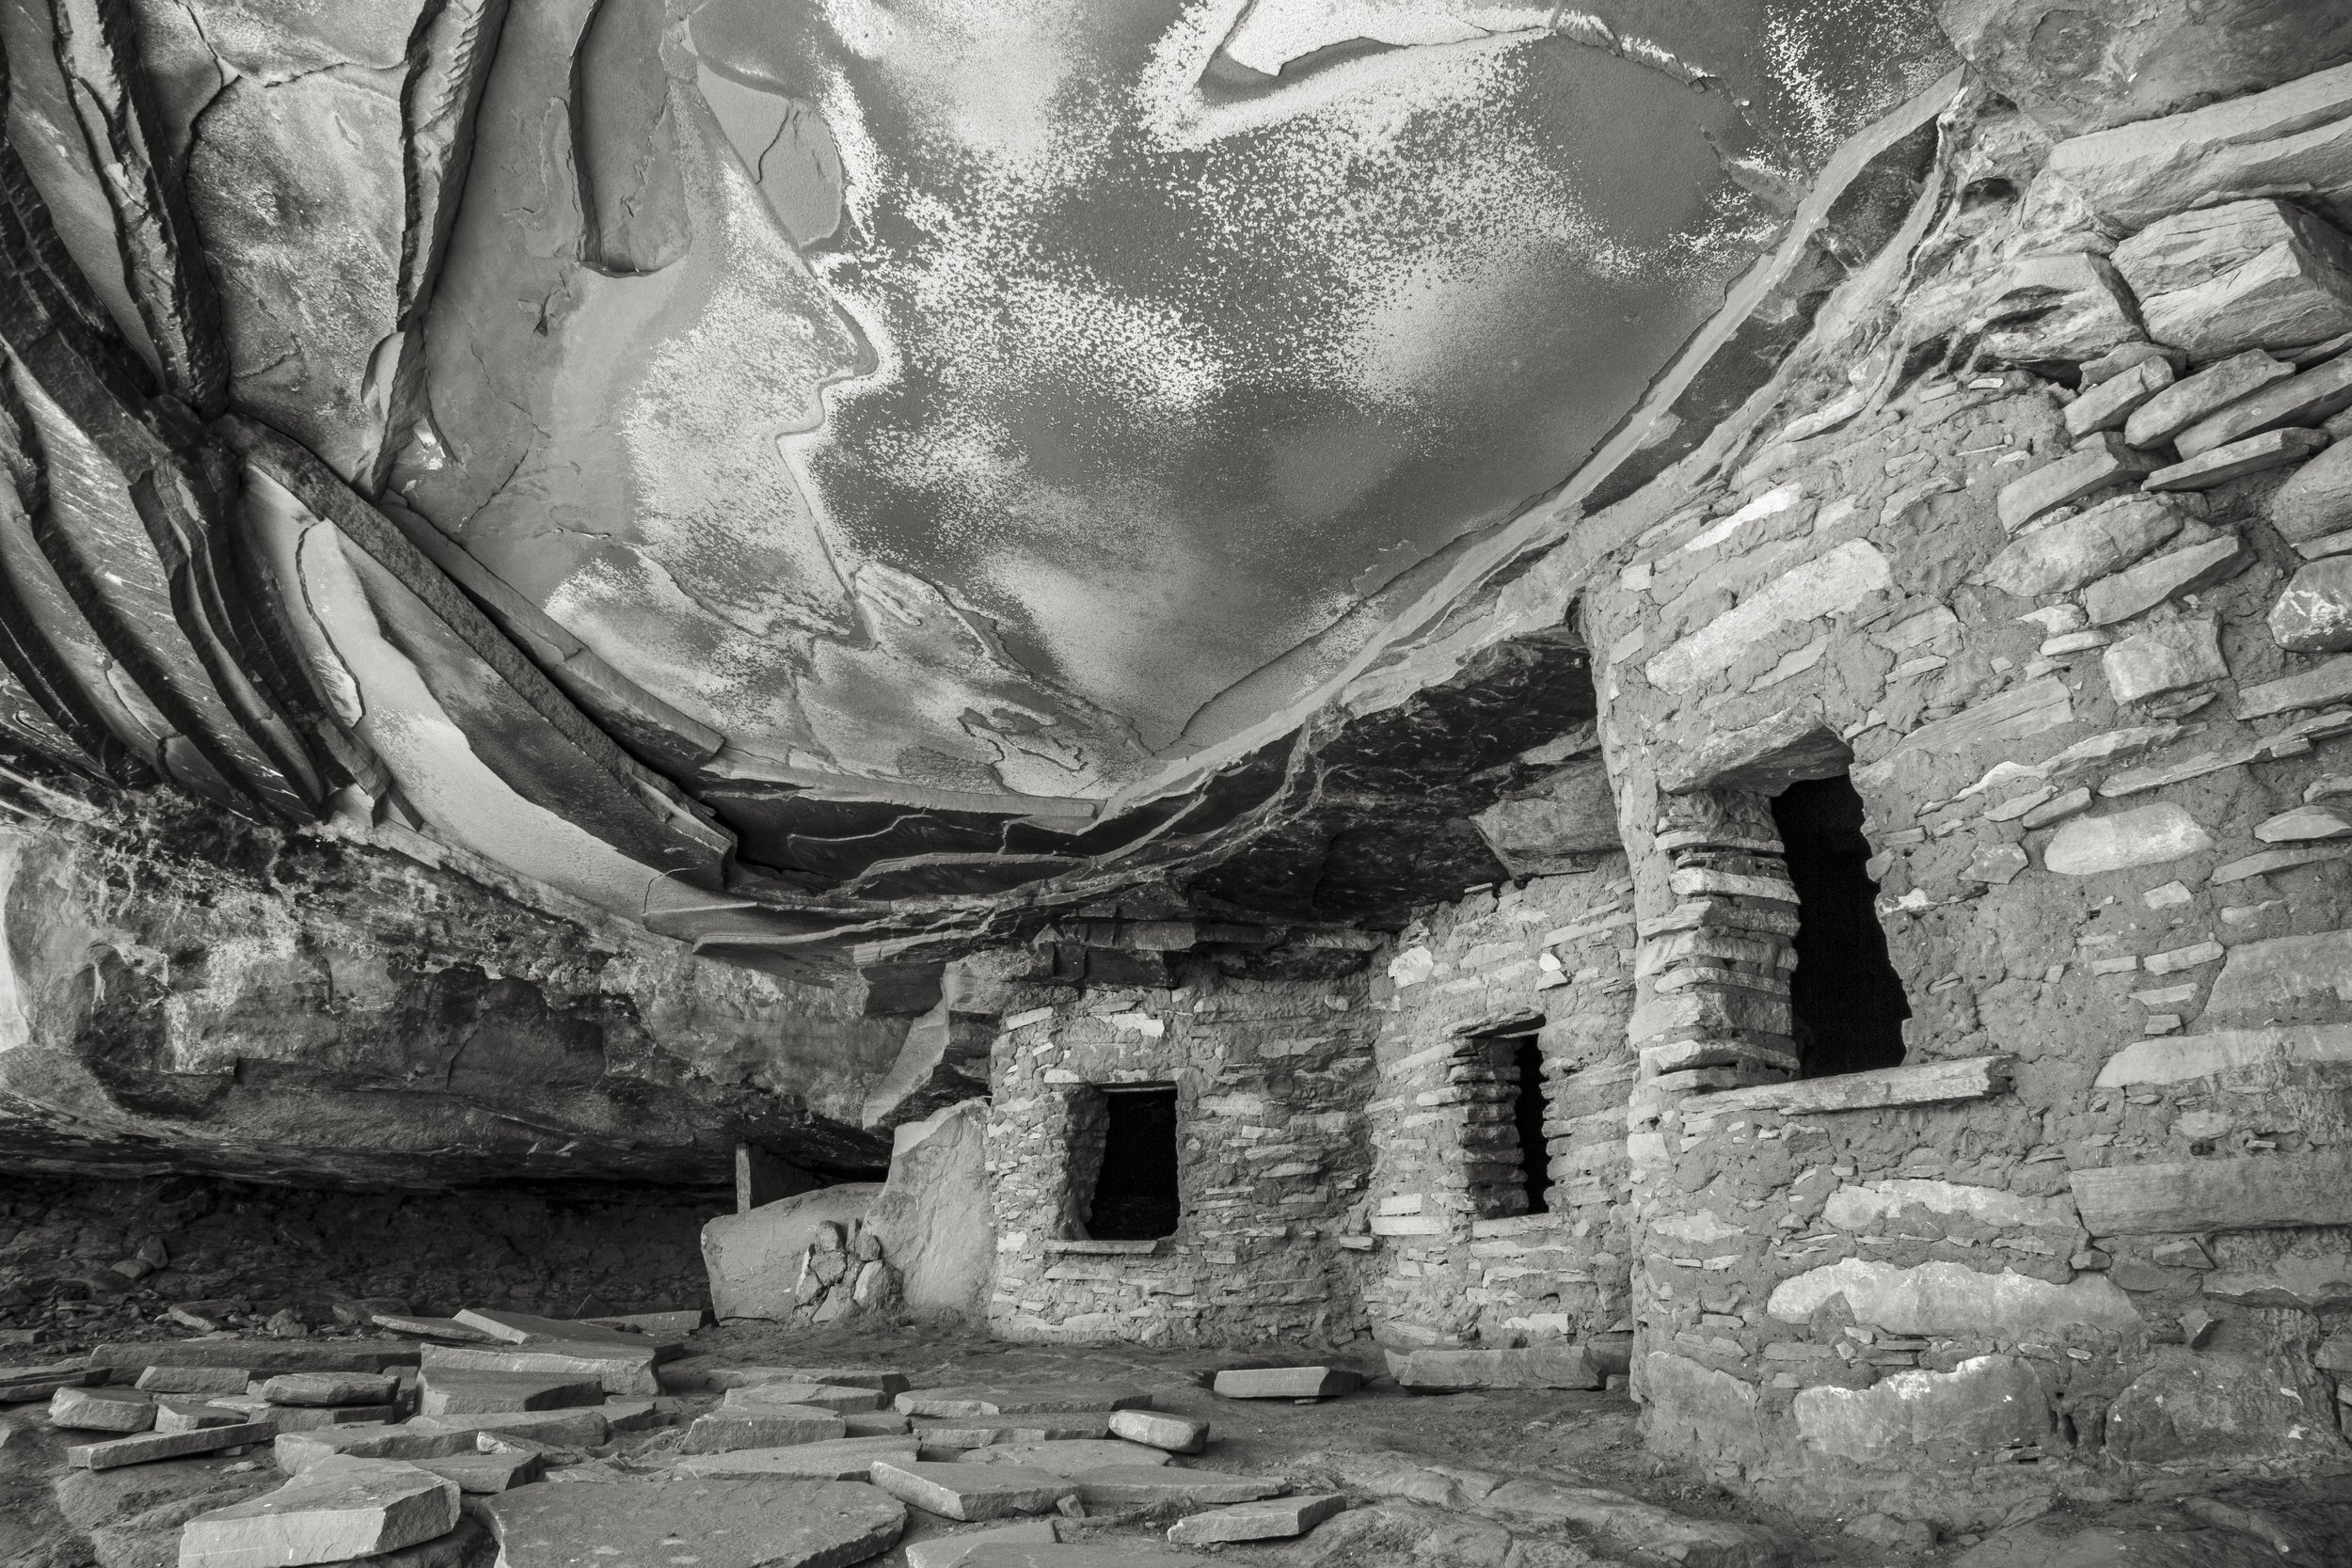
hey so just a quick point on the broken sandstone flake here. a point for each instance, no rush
(2255, 273)
(2099, 462)
(339, 1509)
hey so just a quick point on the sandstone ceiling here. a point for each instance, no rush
(813, 475)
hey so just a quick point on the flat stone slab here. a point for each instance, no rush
(330, 1388)
(190, 1414)
(307, 1417)
(445, 1392)
(676, 1323)
(1540, 1367)
(1267, 1519)
(526, 1328)
(882, 1380)
(431, 1328)
(953, 1551)
(835, 1397)
(101, 1409)
(149, 1446)
(343, 1508)
(298, 1452)
(1068, 1456)
(194, 1380)
(1149, 1485)
(1021, 1400)
(979, 1431)
(578, 1429)
(876, 1424)
(260, 1357)
(1161, 1429)
(2219, 465)
(775, 1427)
(842, 1458)
(716, 1522)
(486, 1474)
(627, 1369)
(1286, 1383)
(971, 1492)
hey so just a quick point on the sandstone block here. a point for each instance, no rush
(190, 1414)
(2316, 500)
(1840, 580)
(622, 1370)
(2060, 309)
(194, 1380)
(2330, 682)
(840, 1459)
(485, 1474)
(1152, 1485)
(307, 1418)
(2313, 612)
(2301, 401)
(2293, 137)
(2248, 1194)
(933, 1221)
(841, 1402)
(2256, 454)
(2282, 979)
(2198, 397)
(2073, 551)
(1069, 1456)
(2170, 656)
(971, 1492)
(1986, 1405)
(2099, 462)
(2303, 824)
(260, 1357)
(1542, 1366)
(777, 1427)
(1162, 1429)
(2256, 274)
(979, 1431)
(754, 1257)
(329, 1389)
(2108, 404)
(2145, 835)
(446, 1392)
(1571, 814)
(526, 1328)
(582, 1428)
(985, 1399)
(101, 1409)
(875, 1423)
(1267, 1519)
(2168, 576)
(149, 1445)
(722, 1522)
(2213, 1405)
(297, 1452)
(700, 1373)
(1953, 1299)
(1764, 758)
(341, 1508)
(1285, 1383)
(960, 1549)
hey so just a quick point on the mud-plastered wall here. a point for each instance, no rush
(1460, 1258)
(1271, 1077)
(2047, 558)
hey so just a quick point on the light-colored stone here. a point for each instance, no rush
(1986, 1405)
(2299, 1281)
(1839, 581)
(194, 1380)
(297, 1452)
(2198, 397)
(2144, 836)
(1162, 1429)
(2110, 404)
(719, 1521)
(1267, 1519)
(145, 1447)
(2235, 1052)
(1285, 1383)
(933, 1220)
(2170, 655)
(2330, 682)
(339, 1509)
(2270, 861)
(1954, 1299)
(190, 1414)
(2066, 554)
(2076, 308)
(767, 1427)
(329, 1389)
(1920, 1084)
(444, 1392)
(1021, 1400)
(2303, 823)
(2253, 455)
(529, 1328)
(307, 1418)
(2316, 500)
(979, 1431)
(2103, 460)
(2294, 137)
(2255, 273)
(1859, 1207)
(485, 1474)
(971, 1492)
(2254, 1193)
(2282, 979)
(1765, 757)
(1152, 1485)
(840, 1459)
(102, 1410)
(2169, 576)
(2313, 612)
(579, 1428)
(1068, 1456)
(753, 1258)
(2304, 399)
(622, 1370)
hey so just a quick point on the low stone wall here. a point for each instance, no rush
(1271, 1080)
(1459, 1261)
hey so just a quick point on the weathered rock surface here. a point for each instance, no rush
(2295, 136)
(2191, 400)
(1268, 1519)
(339, 1508)
(2144, 836)
(732, 1522)
(2313, 612)
(2244, 275)
(2065, 555)
(755, 1257)
(933, 1217)
(842, 1458)
(971, 1492)
(2316, 500)
(2169, 657)
(1985, 1406)
(2212, 1404)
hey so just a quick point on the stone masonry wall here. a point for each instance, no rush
(1459, 1262)
(1271, 1077)
(2037, 535)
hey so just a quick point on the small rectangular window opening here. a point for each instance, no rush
(1847, 998)
(1527, 1112)
(1135, 1191)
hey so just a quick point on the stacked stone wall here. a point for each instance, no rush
(1271, 1081)
(1458, 1260)
(2093, 678)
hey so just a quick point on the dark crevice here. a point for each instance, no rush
(1848, 1000)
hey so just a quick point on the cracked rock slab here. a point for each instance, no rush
(339, 1508)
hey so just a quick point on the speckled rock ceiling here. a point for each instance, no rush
(806, 474)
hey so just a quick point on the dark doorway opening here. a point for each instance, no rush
(1848, 1000)
(1527, 1112)
(1134, 1193)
